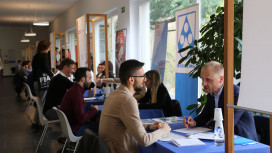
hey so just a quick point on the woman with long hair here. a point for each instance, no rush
(157, 96)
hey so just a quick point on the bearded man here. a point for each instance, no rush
(73, 103)
(120, 125)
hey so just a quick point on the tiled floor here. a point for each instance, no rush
(16, 136)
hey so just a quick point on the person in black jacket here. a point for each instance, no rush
(212, 75)
(157, 96)
(40, 64)
(57, 88)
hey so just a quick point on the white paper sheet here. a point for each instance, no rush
(206, 136)
(148, 121)
(193, 130)
(90, 98)
(169, 120)
(187, 142)
(170, 136)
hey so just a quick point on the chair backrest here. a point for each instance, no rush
(90, 142)
(262, 128)
(151, 113)
(65, 126)
(28, 91)
(174, 109)
(39, 104)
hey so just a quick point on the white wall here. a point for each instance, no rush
(12, 48)
(129, 19)
(68, 20)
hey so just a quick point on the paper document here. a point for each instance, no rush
(170, 136)
(169, 120)
(205, 136)
(90, 98)
(148, 121)
(193, 130)
(187, 142)
(243, 141)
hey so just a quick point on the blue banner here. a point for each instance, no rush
(187, 31)
(159, 52)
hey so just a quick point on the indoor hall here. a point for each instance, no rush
(17, 135)
(176, 38)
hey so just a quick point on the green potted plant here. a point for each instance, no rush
(210, 47)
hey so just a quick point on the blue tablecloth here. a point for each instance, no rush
(151, 113)
(98, 91)
(93, 102)
(210, 147)
(144, 113)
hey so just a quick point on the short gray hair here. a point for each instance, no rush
(216, 67)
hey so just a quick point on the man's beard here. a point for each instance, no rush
(86, 85)
(137, 89)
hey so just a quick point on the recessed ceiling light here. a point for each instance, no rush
(25, 40)
(41, 23)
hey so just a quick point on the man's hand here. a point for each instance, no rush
(190, 121)
(164, 126)
(154, 126)
(95, 107)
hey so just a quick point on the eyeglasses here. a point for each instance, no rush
(138, 76)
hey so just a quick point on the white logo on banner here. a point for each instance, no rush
(186, 35)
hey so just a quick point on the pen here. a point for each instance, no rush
(249, 143)
(187, 122)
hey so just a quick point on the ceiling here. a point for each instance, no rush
(26, 11)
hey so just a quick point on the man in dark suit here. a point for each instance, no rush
(212, 75)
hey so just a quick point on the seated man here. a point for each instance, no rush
(73, 104)
(20, 77)
(57, 88)
(120, 123)
(212, 75)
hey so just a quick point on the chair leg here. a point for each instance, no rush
(69, 147)
(76, 146)
(42, 136)
(64, 145)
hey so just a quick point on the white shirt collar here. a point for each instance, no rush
(61, 73)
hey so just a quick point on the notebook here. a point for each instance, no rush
(187, 142)
(242, 141)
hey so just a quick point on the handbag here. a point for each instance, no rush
(43, 78)
(43, 81)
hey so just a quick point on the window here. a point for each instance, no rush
(72, 43)
(160, 11)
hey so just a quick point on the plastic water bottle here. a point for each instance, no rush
(219, 136)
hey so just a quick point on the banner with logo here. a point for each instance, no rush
(120, 49)
(159, 52)
(187, 20)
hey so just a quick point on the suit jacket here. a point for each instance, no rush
(243, 120)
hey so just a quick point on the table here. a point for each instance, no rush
(144, 113)
(210, 147)
(98, 91)
(94, 102)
